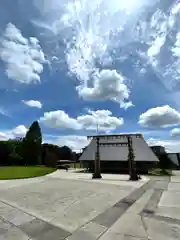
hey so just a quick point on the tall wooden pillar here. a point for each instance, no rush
(97, 167)
(131, 161)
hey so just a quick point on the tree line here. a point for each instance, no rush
(30, 150)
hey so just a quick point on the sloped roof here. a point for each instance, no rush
(174, 158)
(119, 153)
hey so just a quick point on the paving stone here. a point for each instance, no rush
(160, 178)
(90, 231)
(163, 185)
(151, 206)
(161, 230)
(117, 236)
(81, 235)
(170, 200)
(139, 205)
(174, 186)
(35, 227)
(54, 233)
(171, 212)
(66, 203)
(14, 215)
(108, 217)
(129, 224)
(133, 196)
(4, 226)
(175, 179)
(167, 219)
(14, 233)
(94, 228)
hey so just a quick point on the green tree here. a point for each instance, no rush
(32, 145)
(15, 157)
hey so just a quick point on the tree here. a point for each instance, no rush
(66, 153)
(5, 151)
(32, 145)
(15, 157)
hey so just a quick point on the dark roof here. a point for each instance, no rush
(174, 158)
(116, 135)
(119, 153)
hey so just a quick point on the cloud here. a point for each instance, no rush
(172, 146)
(59, 119)
(4, 112)
(75, 142)
(108, 85)
(94, 32)
(157, 35)
(13, 133)
(176, 48)
(102, 119)
(33, 103)
(164, 116)
(175, 132)
(23, 57)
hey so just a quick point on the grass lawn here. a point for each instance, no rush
(17, 172)
(160, 172)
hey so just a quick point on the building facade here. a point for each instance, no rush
(114, 155)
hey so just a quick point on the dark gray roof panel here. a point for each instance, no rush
(119, 153)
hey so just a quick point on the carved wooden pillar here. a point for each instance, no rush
(97, 167)
(131, 161)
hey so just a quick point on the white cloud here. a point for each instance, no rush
(23, 57)
(33, 103)
(59, 119)
(155, 48)
(174, 14)
(75, 142)
(176, 48)
(172, 146)
(175, 132)
(19, 131)
(16, 132)
(164, 116)
(101, 118)
(4, 112)
(108, 85)
(3, 136)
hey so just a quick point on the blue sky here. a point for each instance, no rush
(75, 65)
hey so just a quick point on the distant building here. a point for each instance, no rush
(158, 149)
(115, 157)
(175, 159)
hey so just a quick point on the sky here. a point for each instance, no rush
(80, 67)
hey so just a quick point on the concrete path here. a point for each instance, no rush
(72, 206)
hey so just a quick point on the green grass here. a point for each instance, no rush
(160, 172)
(18, 172)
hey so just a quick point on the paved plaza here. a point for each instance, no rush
(72, 206)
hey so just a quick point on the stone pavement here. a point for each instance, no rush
(72, 206)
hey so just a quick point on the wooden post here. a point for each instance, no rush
(97, 167)
(131, 161)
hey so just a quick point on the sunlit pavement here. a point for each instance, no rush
(70, 205)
